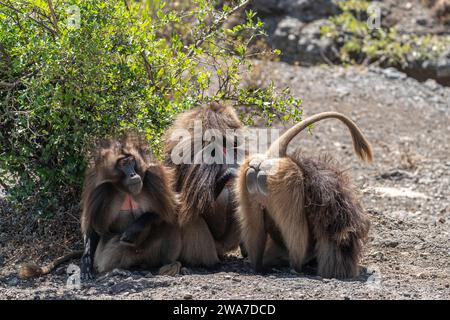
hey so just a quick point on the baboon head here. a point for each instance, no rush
(122, 162)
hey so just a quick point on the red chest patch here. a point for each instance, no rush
(129, 204)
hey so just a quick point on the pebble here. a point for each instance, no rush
(392, 73)
(12, 282)
(188, 296)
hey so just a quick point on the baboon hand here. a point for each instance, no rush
(130, 236)
(256, 177)
(170, 269)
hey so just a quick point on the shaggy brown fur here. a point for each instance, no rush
(151, 221)
(209, 226)
(297, 209)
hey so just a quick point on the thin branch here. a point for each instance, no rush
(7, 5)
(216, 24)
(54, 19)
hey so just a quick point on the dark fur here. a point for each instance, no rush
(334, 214)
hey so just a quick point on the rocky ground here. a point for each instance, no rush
(406, 193)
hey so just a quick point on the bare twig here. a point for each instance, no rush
(7, 5)
(54, 19)
(216, 24)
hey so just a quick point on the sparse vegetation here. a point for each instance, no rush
(357, 42)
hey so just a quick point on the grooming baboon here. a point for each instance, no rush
(129, 215)
(295, 209)
(207, 213)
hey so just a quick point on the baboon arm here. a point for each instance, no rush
(221, 182)
(158, 188)
(87, 259)
(99, 208)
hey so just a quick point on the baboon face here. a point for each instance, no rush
(130, 180)
(122, 164)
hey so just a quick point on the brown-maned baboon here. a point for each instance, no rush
(295, 209)
(207, 209)
(129, 215)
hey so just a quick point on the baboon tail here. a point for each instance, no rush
(360, 143)
(31, 269)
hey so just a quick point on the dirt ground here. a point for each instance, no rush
(406, 193)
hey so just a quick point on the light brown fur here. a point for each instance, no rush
(209, 225)
(307, 211)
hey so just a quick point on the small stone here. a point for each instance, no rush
(391, 244)
(120, 272)
(392, 73)
(431, 84)
(149, 275)
(12, 282)
(188, 296)
(227, 277)
(185, 271)
(236, 279)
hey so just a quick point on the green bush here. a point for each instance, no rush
(357, 42)
(128, 64)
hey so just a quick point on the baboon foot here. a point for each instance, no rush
(256, 177)
(171, 269)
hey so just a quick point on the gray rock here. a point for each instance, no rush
(392, 73)
(14, 281)
(299, 41)
(304, 10)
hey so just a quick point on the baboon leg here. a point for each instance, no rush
(244, 252)
(230, 241)
(113, 254)
(275, 255)
(198, 244)
(252, 220)
(285, 204)
(336, 261)
(171, 269)
(255, 236)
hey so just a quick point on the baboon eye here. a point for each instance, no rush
(126, 161)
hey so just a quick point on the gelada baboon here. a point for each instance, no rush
(129, 215)
(207, 212)
(297, 210)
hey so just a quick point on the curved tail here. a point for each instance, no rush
(360, 144)
(30, 269)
